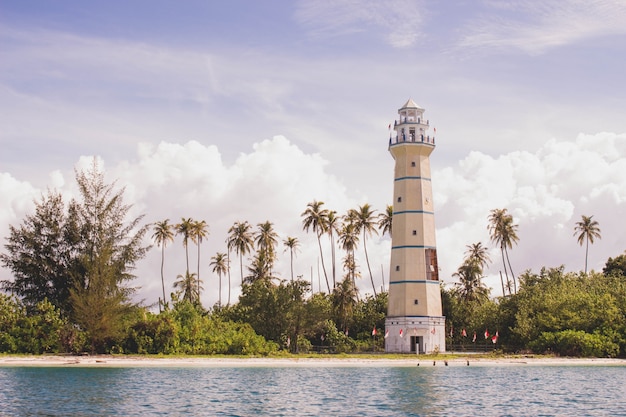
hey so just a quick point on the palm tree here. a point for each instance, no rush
(259, 269)
(292, 244)
(332, 225)
(344, 301)
(315, 218)
(349, 240)
(199, 231)
(188, 286)
(220, 265)
(266, 240)
(504, 233)
(163, 234)
(588, 230)
(364, 221)
(471, 288)
(478, 254)
(240, 239)
(385, 221)
(185, 228)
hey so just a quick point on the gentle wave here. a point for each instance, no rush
(311, 391)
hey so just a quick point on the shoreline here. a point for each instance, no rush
(138, 361)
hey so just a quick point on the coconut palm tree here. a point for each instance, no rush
(188, 286)
(385, 221)
(504, 233)
(364, 222)
(266, 240)
(470, 286)
(349, 240)
(588, 230)
(220, 265)
(344, 301)
(199, 231)
(332, 225)
(162, 234)
(315, 218)
(240, 239)
(292, 244)
(477, 253)
(185, 228)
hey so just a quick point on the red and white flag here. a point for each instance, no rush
(386, 333)
(494, 339)
(401, 333)
(464, 333)
(374, 331)
(474, 339)
(486, 334)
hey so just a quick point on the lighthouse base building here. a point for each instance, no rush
(414, 322)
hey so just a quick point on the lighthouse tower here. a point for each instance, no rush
(414, 322)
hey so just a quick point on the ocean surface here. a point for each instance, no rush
(314, 391)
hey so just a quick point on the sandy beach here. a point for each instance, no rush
(155, 361)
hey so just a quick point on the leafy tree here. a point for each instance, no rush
(240, 239)
(220, 265)
(41, 255)
(363, 219)
(316, 218)
(344, 302)
(108, 251)
(588, 230)
(162, 234)
(292, 244)
(504, 233)
(615, 266)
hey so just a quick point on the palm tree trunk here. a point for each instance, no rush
(511, 269)
(506, 273)
(163, 279)
(586, 253)
(332, 248)
(241, 266)
(198, 270)
(502, 282)
(219, 298)
(368, 263)
(228, 304)
(319, 243)
(291, 262)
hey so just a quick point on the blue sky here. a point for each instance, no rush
(247, 110)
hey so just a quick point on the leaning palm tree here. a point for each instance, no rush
(188, 286)
(292, 244)
(385, 221)
(364, 222)
(240, 239)
(588, 230)
(163, 234)
(315, 218)
(185, 228)
(199, 231)
(266, 240)
(220, 265)
(504, 233)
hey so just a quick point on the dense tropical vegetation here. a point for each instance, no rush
(71, 289)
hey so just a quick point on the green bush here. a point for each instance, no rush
(575, 343)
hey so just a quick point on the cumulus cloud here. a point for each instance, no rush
(546, 191)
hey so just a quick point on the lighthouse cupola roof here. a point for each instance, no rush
(410, 104)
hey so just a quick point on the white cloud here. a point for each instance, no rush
(546, 191)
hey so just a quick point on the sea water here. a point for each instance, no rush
(314, 391)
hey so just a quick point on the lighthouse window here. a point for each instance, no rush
(414, 232)
(399, 199)
(415, 302)
(397, 267)
(413, 163)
